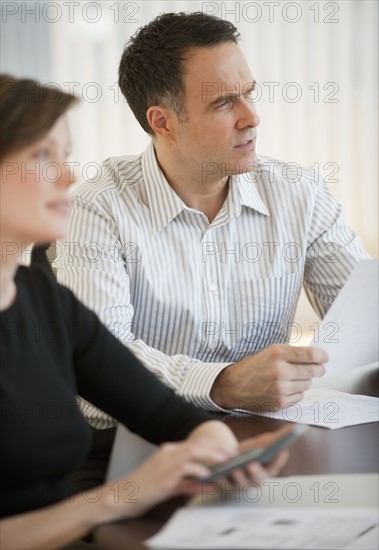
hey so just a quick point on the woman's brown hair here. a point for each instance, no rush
(27, 111)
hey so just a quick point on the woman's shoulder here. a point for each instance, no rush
(36, 276)
(41, 285)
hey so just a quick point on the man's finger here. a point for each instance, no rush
(307, 355)
(297, 372)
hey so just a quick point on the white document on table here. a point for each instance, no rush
(228, 527)
(349, 330)
(330, 409)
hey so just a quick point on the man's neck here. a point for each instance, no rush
(207, 197)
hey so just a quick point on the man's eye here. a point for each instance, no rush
(223, 104)
(250, 95)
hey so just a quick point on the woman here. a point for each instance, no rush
(53, 348)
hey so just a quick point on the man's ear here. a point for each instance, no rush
(161, 121)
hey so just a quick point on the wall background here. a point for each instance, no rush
(316, 63)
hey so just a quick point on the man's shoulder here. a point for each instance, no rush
(113, 175)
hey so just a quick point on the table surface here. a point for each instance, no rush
(347, 450)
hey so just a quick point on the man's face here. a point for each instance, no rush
(219, 134)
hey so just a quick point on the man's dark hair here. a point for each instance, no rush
(150, 71)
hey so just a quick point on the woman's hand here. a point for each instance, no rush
(171, 470)
(219, 433)
(165, 474)
(254, 471)
(216, 432)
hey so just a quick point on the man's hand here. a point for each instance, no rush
(270, 379)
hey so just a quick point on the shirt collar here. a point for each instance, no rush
(244, 192)
(165, 204)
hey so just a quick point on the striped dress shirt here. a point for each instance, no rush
(189, 297)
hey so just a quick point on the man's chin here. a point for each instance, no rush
(212, 171)
(242, 165)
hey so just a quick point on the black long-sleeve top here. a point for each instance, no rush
(52, 348)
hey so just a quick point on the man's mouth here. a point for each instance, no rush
(246, 144)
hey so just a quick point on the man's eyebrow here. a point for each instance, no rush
(246, 89)
(251, 87)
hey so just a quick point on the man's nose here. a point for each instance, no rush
(248, 115)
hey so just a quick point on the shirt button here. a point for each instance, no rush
(213, 287)
(212, 345)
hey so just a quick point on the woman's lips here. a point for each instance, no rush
(60, 207)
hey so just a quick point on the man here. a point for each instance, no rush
(194, 252)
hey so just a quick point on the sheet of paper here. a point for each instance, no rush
(228, 527)
(330, 409)
(367, 540)
(331, 491)
(349, 330)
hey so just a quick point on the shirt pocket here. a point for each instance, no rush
(265, 308)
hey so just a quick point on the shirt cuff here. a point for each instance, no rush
(198, 382)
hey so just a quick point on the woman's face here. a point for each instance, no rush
(35, 189)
